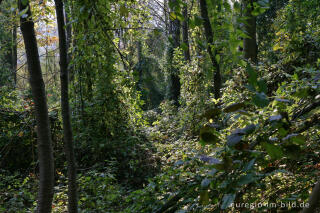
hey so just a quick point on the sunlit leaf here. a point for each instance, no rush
(234, 107)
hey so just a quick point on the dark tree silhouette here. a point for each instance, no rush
(45, 155)
(250, 47)
(67, 129)
(209, 37)
(174, 33)
(185, 35)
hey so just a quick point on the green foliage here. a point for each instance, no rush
(7, 20)
(18, 132)
(17, 193)
(137, 151)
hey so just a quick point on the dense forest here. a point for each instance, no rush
(159, 106)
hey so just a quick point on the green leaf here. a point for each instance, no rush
(173, 16)
(205, 183)
(295, 138)
(234, 107)
(24, 2)
(184, 46)
(260, 100)
(204, 197)
(218, 58)
(282, 132)
(252, 76)
(212, 113)
(274, 151)
(275, 118)
(227, 200)
(180, 17)
(195, 22)
(292, 151)
(245, 179)
(208, 135)
(233, 139)
(299, 140)
(212, 172)
(249, 165)
(124, 12)
(302, 92)
(23, 12)
(249, 129)
(262, 86)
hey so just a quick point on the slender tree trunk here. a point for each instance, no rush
(139, 54)
(45, 153)
(185, 35)
(69, 34)
(250, 47)
(166, 14)
(174, 32)
(209, 37)
(67, 129)
(14, 54)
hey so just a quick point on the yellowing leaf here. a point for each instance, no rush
(277, 47)
(20, 134)
(173, 16)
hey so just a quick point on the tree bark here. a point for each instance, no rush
(67, 129)
(139, 56)
(250, 47)
(174, 32)
(14, 54)
(165, 12)
(209, 37)
(45, 153)
(185, 35)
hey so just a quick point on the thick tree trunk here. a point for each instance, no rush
(250, 47)
(174, 32)
(209, 37)
(67, 129)
(45, 153)
(185, 35)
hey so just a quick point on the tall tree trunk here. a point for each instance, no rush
(45, 153)
(68, 9)
(139, 54)
(185, 35)
(209, 37)
(166, 14)
(67, 129)
(250, 47)
(14, 54)
(174, 32)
